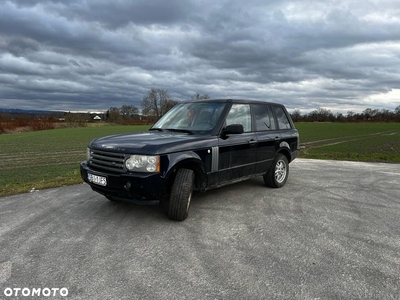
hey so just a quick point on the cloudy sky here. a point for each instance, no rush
(94, 54)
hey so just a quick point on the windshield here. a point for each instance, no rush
(191, 117)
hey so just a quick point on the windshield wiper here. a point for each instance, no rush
(156, 129)
(179, 130)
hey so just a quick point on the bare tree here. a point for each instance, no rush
(113, 114)
(128, 110)
(350, 115)
(296, 115)
(320, 115)
(339, 117)
(157, 102)
(370, 113)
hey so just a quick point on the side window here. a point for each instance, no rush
(240, 114)
(283, 120)
(263, 117)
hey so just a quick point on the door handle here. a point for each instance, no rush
(252, 142)
(277, 138)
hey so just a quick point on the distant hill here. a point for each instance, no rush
(29, 111)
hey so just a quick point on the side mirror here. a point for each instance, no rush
(233, 129)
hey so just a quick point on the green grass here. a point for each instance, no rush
(50, 158)
(374, 142)
(43, 159)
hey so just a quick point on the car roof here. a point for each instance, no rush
(231, 100)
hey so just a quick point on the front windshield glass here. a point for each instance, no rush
(191, 117)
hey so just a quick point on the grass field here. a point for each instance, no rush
(376, 142)
(49, 158)
(43, 159)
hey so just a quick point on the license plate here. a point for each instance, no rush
(99, 180)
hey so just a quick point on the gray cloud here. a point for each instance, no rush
(84, 55)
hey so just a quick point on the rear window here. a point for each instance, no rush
(283, 121)
(263, 117)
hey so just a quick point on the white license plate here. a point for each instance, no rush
(99, 180)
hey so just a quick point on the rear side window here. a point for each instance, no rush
(283, 121)
(263, 117)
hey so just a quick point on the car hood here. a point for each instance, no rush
(152, 142)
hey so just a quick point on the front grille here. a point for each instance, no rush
(109, 161)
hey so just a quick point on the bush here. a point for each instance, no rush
(17, 125)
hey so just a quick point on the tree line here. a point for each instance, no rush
(158, 101)
(367, 115)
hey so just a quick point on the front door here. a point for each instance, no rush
(237, 152)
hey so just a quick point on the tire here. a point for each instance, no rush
(181, 194)
(278, 174)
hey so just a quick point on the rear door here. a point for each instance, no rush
(268, 136)
(289, 135)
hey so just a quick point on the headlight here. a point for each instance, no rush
(88, 154)
(143, 163)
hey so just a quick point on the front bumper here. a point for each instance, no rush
(141, 188)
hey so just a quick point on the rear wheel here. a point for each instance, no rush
(277, 175)
(181, 195)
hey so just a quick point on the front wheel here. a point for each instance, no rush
(181, 194)
(277, 175)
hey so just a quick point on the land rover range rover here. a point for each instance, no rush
(197, 145)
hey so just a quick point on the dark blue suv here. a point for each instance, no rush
(197, 145)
